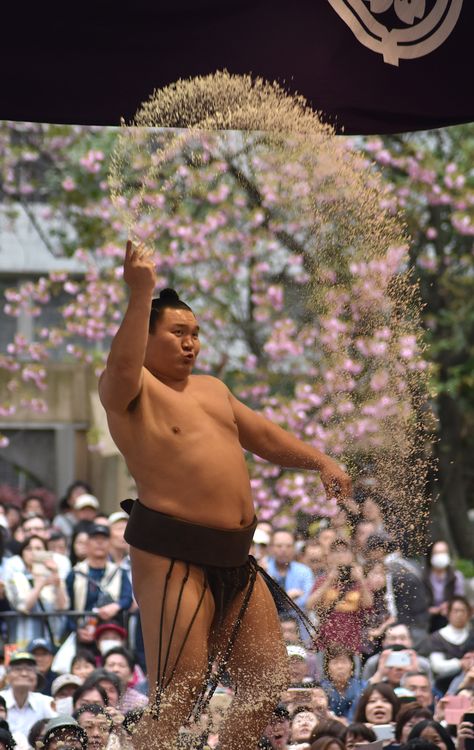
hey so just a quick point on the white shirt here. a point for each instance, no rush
(37, 706)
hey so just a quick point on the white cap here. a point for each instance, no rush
(298, 651)
(261, 536)
(119, 515)
(86, 501)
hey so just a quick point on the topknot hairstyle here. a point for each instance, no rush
(168, 298)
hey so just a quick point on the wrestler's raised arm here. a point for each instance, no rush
(269, 441)
(121, 381)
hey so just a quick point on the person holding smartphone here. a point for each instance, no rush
(35, 588)
(378, 707)
(465, 733)
(340, 598)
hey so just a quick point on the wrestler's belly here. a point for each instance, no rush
(210, 487)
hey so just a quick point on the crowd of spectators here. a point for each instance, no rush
(389, 661)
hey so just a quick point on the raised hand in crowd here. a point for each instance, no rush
(465, 731)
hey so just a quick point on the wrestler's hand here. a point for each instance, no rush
(336, 482)
(139, 268)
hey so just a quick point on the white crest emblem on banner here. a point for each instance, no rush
(425, 33)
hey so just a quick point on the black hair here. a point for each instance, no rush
(335, 651)
(3, 702)
(32, 496)
(25, 544)
(418, 743)
(93, 708)
(55, 536)
(64, 502)
(85, 688)
(121, 651)
(36, 731)
(83, 653)
(328, 728)
(6, 736)
(168, 298)
(386, 691)
(432, 724)
(288, 617)
(97, 675)
(407, 713)
(459, 598)
(81, 527)
(360, 730)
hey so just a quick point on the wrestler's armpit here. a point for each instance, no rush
(118, 391)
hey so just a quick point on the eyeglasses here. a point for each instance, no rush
(23, 668)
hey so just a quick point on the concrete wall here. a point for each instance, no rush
(53, 447)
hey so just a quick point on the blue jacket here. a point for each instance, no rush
(345, 704)
(297, 576)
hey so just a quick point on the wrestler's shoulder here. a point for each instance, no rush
(208, 382)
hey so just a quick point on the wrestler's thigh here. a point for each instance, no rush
(170, 598)
(259, 653)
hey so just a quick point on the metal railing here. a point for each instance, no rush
(9, 616)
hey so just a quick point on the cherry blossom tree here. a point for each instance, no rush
(429, 176)
(317, 336)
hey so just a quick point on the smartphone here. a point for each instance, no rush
(468, 742)
(376, 745)
(39, 558)
(455, 707)
(398, 659)
(384, 731)
(300, 694)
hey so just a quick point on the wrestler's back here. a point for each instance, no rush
(182, 449)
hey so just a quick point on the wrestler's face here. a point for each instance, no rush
(173, 346)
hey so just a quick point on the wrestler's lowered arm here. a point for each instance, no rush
(269, 441)
(122, 379)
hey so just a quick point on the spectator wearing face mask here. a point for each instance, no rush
(62, 690)
(109, 635)
(442, 582)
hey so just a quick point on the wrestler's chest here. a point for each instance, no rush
(191, 412)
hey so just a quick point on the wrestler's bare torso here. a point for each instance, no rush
(182, 434)
(182, 448)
